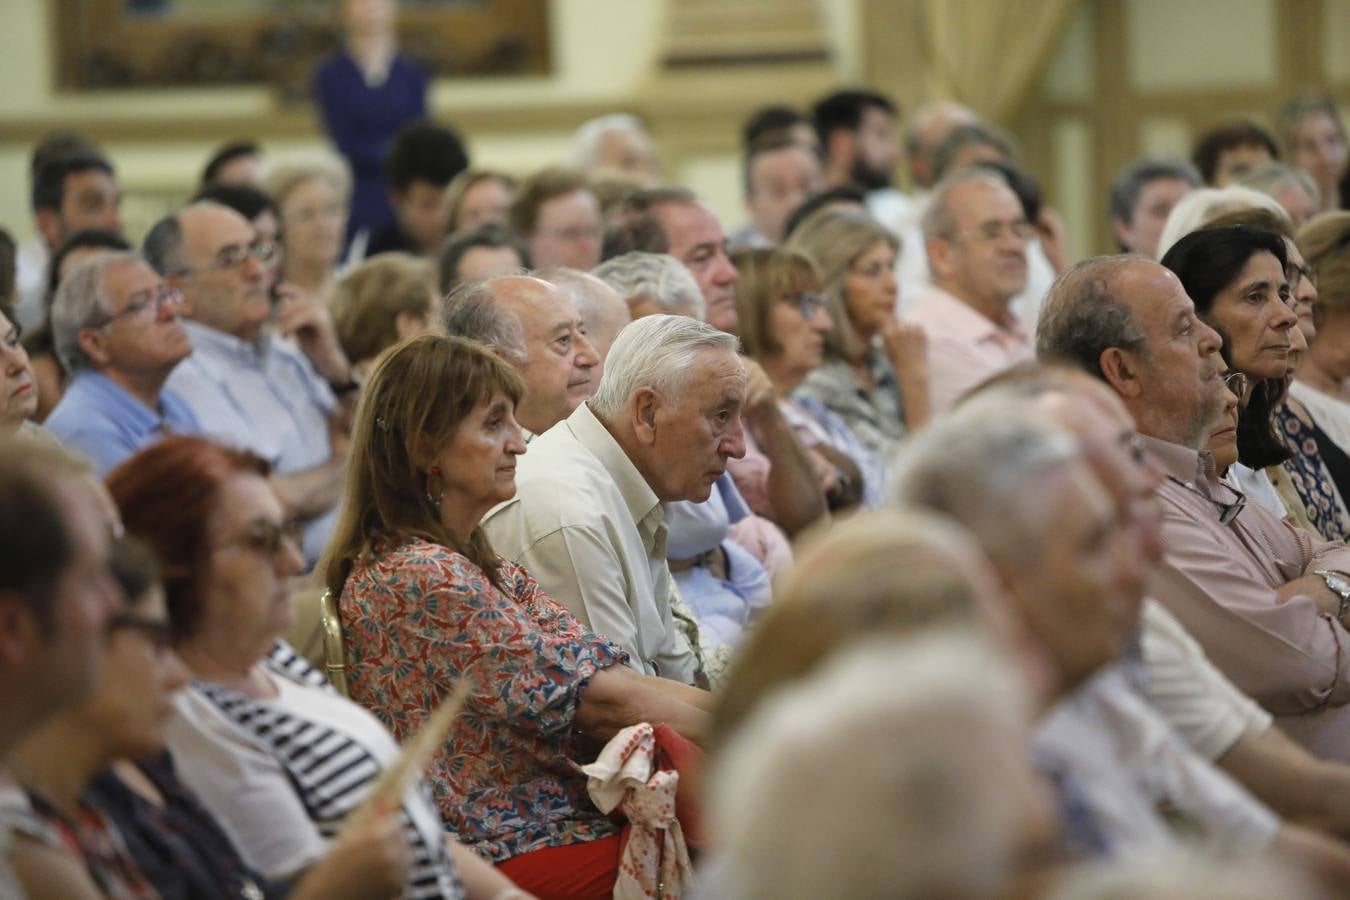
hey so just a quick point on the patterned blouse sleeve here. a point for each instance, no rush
(529, 657)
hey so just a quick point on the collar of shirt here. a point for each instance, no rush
(958, 320)
(121, 406)
(1194, 468)
(638, 496)
(213, 344)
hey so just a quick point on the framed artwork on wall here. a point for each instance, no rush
(105, 44)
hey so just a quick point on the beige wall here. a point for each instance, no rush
(1147, 76)
(606, 56)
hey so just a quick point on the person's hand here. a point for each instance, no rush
(827, 474)
(368, 860)
(1314, 588)
(906, 346)
(759, 390)
(305, 319)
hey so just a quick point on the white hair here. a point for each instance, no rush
(991, 474)
(889, 747)
(598, 304)
(1204, 205)
(658, 276)
(659, 352)
(79, 304)
(1274, 177)
(283, 174)
(586, 140)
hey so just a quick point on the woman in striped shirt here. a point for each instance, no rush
(272, 751)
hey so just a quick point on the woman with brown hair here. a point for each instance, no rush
(875, 372)
(386, 299)
(426, 604)
(783, 326)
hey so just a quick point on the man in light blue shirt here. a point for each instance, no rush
(248, 387)
(117, 330)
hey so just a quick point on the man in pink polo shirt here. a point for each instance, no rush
(976, 236)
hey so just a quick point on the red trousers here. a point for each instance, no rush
(584, 871)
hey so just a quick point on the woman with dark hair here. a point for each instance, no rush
(277, 756)
(426, 604)
(1237, 277)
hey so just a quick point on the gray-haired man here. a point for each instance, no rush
(587, 519)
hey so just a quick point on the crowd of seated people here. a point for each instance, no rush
(869, 546)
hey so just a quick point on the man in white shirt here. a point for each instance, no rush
(244, 385)
(587, 520)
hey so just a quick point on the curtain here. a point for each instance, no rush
(987, 54)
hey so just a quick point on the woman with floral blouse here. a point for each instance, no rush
(426, 603)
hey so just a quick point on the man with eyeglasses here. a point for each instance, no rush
(117, 330)
(976, 235)
(1269, 604)
(246, 387)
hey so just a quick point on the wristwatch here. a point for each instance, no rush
(1339, 585)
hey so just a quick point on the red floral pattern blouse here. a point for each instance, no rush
(416, 617)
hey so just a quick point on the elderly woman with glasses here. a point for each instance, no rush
(784, 325)
(273, 752)
(875, 371)
(110, 816)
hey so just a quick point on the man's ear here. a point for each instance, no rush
(48, 223)
(840, 145)
(91, 341)
(939, 252)
(644, 405)
(1120, 231)
(16, 631)
(1121, 371)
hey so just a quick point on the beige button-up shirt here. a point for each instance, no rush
(588, 527)
(1220, 582)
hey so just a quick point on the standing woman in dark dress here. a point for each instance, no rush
(366, 92)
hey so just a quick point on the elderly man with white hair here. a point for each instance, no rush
(617, 142)
(118, 331)
(587, 519)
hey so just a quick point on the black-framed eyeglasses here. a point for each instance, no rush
(156, 631)
(148, 306)
(1304, 272)
(1227, 511)
(809, 303)
(1237, 383)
